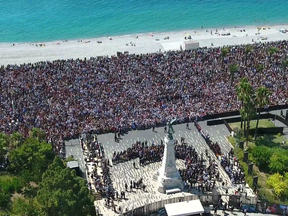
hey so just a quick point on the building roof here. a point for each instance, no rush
(72, 164)
(191, 42)
(184, 208)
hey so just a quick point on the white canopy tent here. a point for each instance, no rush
(186, 208)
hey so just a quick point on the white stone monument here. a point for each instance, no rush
(168, 175)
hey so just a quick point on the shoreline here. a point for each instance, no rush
(23, 52)
(145, 33)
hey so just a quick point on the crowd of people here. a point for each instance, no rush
(196, 172)
(100, 173)
(68, 97)
(141, 150)
(214, 146)
(232, 169)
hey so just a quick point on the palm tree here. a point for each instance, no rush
(250, 111)
(284, 66)
(259, 69)
(245, 94)
(248, 49)
(271, 51)
(261, 100)
(224, 52)
(241, 95)
(233, 68)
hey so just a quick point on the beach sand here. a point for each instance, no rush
(145, 43)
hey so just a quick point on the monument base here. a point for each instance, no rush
(165, 183)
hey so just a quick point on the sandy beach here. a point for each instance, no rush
(142, 43)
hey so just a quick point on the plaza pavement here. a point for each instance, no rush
(125, 172)
(73, 148)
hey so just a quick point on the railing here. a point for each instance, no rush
(206, 200)
(155, 206)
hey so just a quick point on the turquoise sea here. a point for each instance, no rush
(47, 20)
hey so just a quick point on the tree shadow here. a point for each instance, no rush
(267, 140)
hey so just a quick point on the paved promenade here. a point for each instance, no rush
(125, 172)
(191, 135)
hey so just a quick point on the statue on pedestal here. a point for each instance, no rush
(168, 174)
(170, 128)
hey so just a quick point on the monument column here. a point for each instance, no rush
(168, 175)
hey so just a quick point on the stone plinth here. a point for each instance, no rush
(168, 175)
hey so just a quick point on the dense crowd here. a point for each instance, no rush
(68, 97)
(229, 162)
(232, 168)
(141, 150)
(196, 172)
(214, 146)
(100, 174)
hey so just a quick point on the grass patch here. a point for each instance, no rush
(263, 123)
(272, 141)
(231, 140)
(264, 190)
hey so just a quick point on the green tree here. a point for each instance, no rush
(278, 184)
(272, 51)
(259, 69)
(233, 68)
(279, 161)
(248, 49)
(5, 197)
(241, 95)
(224, 52)
(261, 100)
(284, 67)
(15, 140)
(262, 156)
(31, 159)
(245, 94)
(38, 134)
(24, 206)
(286, 183)
(62, 193)
(3, 146)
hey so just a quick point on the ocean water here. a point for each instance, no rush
(48, 20)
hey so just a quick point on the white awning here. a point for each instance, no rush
(184, 208)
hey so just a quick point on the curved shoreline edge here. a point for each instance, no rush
(20, 53)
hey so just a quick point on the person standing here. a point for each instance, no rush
(244, 211)
(134, 164)
(115, 137)
(215, 210)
